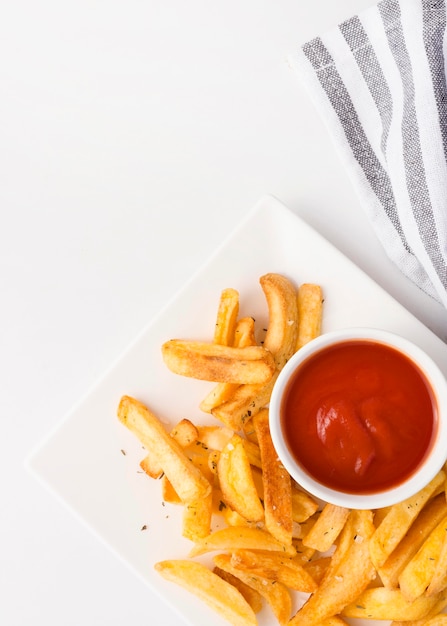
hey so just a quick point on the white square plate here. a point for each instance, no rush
(92, 462)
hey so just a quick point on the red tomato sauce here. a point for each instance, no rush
(359, 416)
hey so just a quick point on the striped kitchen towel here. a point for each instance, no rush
(379, 82)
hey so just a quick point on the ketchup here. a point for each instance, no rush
(359, 416)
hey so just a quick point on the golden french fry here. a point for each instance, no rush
(150, 466)
(252, 596)
(388, 604)
(220, 595)
(303, 505)
(244, 403)
(276, 594)
(236, 481)
(239, 538)
(187, 480)
(214, 437)
(197, 514)
(399, 519)
(277, 483)
(326, 529)
(348, 574)
(318, 567)
(185, 433)
(213, 459)
(244, 336)
(197, 517)
(439, 579)
(310, 312)
(227, 313)
(217, 363)
(282, 329)
(427, 520)
(168, 493)
(253, 453)
(417, 575)
(280, 341)
(303, 554)
(220, 393)
(233, 518)
(275, 566)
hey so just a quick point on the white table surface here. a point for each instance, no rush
(134, 137)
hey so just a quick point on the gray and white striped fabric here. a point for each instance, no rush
(379, 82)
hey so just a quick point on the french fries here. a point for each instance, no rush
(327, 527)
(211, 588)
(269, 542)
(280, 341)
(236, 481)
(277, 484)
(350, 572)
(276, 594)
(217, 363)
(187, 480)
(226, 321)
(310, 312)
(399, 519)
(244, 335)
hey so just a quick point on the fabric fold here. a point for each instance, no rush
(378, 80)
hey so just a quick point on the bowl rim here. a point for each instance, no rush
(427, 469)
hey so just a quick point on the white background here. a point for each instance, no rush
(134, 136)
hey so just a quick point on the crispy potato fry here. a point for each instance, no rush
(236, 481)
(214, 437)
(398, 521)
(303, 554)
(239, 538)
(253, 453)
(326, 529)
(220, 595)
(197, 517)
(185, 433)
(348, 574)
(197, 514)
(303, 505)
(252, 596)
(275, 566)
(310, 312)
(430, 516)
(168, 493)
(227, 313)
(187, 480)
(220, 393)
(217, 363)
(277, 483)
(280, 340)
(150, 466)
(244, 403)
(282, 329)
(318, 568)
(244, 336)
(276, 594)
(417, 575)
(233, 518)
(439, 579)
(382, 603)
